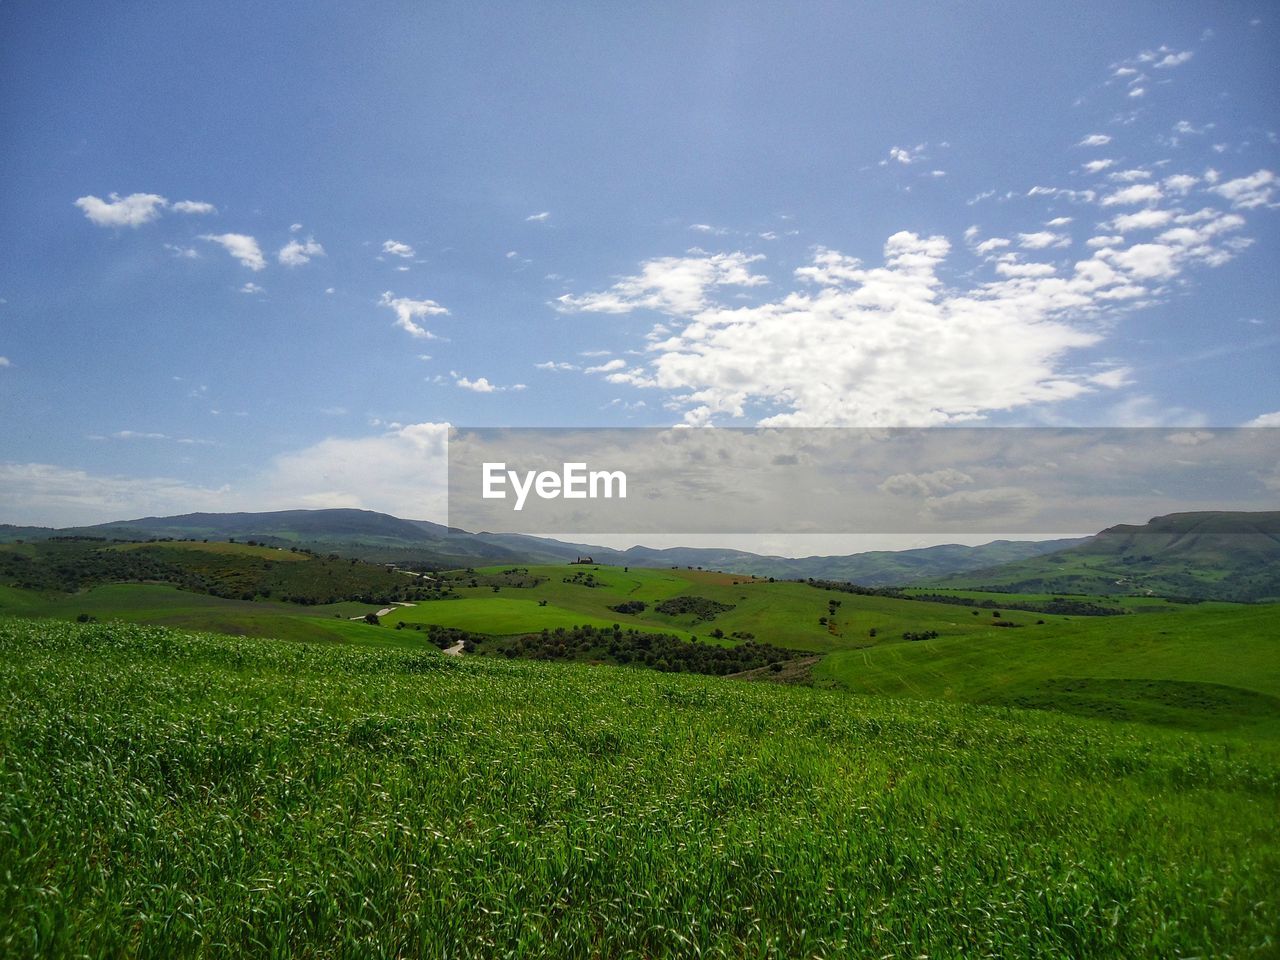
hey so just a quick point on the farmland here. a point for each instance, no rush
(939, 771)
(184, 794)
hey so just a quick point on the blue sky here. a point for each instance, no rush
(257, 255)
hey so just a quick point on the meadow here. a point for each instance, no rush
(170, 794)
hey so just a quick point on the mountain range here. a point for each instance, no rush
(1213, 555)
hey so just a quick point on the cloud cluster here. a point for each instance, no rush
(409, 311)
(852, 344)
(241, 246)
(297, 252)
(135, 209)
(673, 285)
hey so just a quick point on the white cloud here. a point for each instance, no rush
(397, 249)
(1173, 59)
(554, 365)
(1014, 268)
(1104, 241)
(1137, 193)
(676, 285)
(1042, 239)
(708, 228)
(1095, 140)
(608, 366)
(1180, 183)
(402, 471)
(408, 312)
(1138, 92)
(538, 217)
(925, 484)
(5, 362)
(1097, 166)
(131, 211)
(995, 243)
(185, 253)
(1147, 219)
(295, 252)
(1245, 193)
(194, 207)
(906, 155)
(244, 248)
(295, 227)
(252, 287)
(852, 344)
(481, 384)
(1265, 420)
(1129, 176)
(138, 435)
(1059, 222)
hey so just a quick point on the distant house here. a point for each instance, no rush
(582, 560)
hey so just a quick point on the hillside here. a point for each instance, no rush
(174, 794)
(420, 544)
(1220, 556)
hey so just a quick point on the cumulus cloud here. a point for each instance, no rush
(402, 471)
(1095, 140)
(1042, 240)
(675, 285)
(890, 345)
(1265, 420)
(1097, 166)
(1245, 193)
(252, 287)
(296, 252)
(409, 312)
(481, 384)
(1138, 193)
(906, 155)
(1170, 58)
(117, 211)
(925, 484)
(241, 246)
(397, 249)
(1147, 219)
(194, 207)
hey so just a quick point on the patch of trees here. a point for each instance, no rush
(699, 607)
(655, 651)
(630, 606)
(921, 635)
(845, 587)
(69, 566)
(1066, 606)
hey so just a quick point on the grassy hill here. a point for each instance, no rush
(420, 544)
(1225, 556)
(166, 793)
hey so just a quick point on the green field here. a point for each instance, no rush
(164, 794)
(1221, 652)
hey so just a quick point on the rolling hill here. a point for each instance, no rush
(1208, 555)
(421, 544)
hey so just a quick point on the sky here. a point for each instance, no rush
(260, 256)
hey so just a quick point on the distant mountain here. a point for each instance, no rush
(1209, 555)
(379, 536)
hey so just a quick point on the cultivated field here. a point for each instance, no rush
(169, 794)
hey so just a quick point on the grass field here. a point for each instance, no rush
(164, 794)
(1219, 652)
